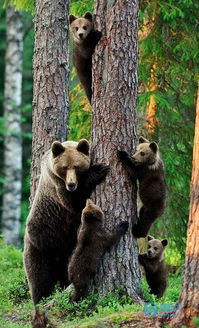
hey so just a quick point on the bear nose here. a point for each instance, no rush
(72, 186)
(81, 35)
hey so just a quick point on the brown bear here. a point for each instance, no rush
(85, 38)
(67, 180)
(92, 242)
(148, 168)
(154, 265)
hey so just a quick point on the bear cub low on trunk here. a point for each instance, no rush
(92, 242)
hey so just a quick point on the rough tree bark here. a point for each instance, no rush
(113, 127)
(189, 298)
(51, 75)
(12, 120)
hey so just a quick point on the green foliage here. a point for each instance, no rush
(196, 321)
(94, 310)
(13, 284)
(79, 7)
(27, 5)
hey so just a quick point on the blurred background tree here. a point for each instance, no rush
(168, 63)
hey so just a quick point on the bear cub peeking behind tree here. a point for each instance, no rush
(147, 166)
(92, 241)
(85, 38)
(154, 265)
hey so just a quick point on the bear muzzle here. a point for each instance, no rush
(71, 186)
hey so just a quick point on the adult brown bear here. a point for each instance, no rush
(67, 180)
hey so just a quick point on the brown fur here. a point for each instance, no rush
(147, 166)
(85, 39)
(67, 180)
(154, 266)
(92, 241)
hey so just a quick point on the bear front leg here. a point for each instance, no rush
(96, 174)
(111, 238)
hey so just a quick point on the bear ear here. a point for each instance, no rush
(150, 237)
(164, 242)
(153, 145)
(142, 140)
(83, 146)
(88, 16)
(89, 202)
(57, 148)
(72, 18)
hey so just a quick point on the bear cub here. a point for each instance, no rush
(148, 168)
(92, 242)
(154, 265)
(85, 38)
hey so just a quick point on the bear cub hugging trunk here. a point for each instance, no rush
(67, 180)
(148, 168)
(154, 265)
(92, 241)
(85, 39)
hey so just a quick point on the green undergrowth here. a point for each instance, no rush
(94, 311)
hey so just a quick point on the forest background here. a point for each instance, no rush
(168, 60)
(168, 55)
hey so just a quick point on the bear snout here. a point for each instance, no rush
(71, 186)
(81, 36)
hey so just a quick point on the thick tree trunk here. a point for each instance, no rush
(189, 299)
(12, 120)
(51, 75)
(113, 127)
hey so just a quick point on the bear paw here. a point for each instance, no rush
(137, 232)
(98, 35)
(100, 171)
(122, 154)
(39, 319)
(123, 227)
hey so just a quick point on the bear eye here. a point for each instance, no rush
(149, 246)
(142, 153)
(85, 27)
(77, 28)
(155, 248)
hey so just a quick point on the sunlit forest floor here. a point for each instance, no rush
(116, 310)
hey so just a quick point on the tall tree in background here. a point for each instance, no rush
(113, 127)
(12, 119)
(189, 299)
(51, 74)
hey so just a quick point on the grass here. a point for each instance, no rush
(110, 311)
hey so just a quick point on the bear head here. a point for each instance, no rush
(156, 247)
(147, 153)
(70, 161)
(81, 26)
(92, 213)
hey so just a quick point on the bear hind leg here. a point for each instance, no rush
(145, 220)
